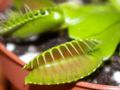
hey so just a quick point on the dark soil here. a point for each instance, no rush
(101, 76)
(47, 41)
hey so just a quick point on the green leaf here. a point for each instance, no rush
(64, 63)
(109, 40)
(75, 13)
(116, 4)
(103, 26)
(94, 23)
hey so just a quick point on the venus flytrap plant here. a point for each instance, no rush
(64, 63)
(55, 73)
(72, 60)
(32, 23)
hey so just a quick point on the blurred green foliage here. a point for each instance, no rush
(33, 4)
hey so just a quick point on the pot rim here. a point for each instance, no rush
(11, 55)
(79, 84)
(4, 4)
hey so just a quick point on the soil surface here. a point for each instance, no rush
(106, 74)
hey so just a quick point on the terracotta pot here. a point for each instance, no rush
(13, 71)
(3, 81)
(4, 4)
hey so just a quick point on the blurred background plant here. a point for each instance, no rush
(33, 4)
(41, 3)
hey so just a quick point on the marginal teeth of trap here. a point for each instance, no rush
(27, 8)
